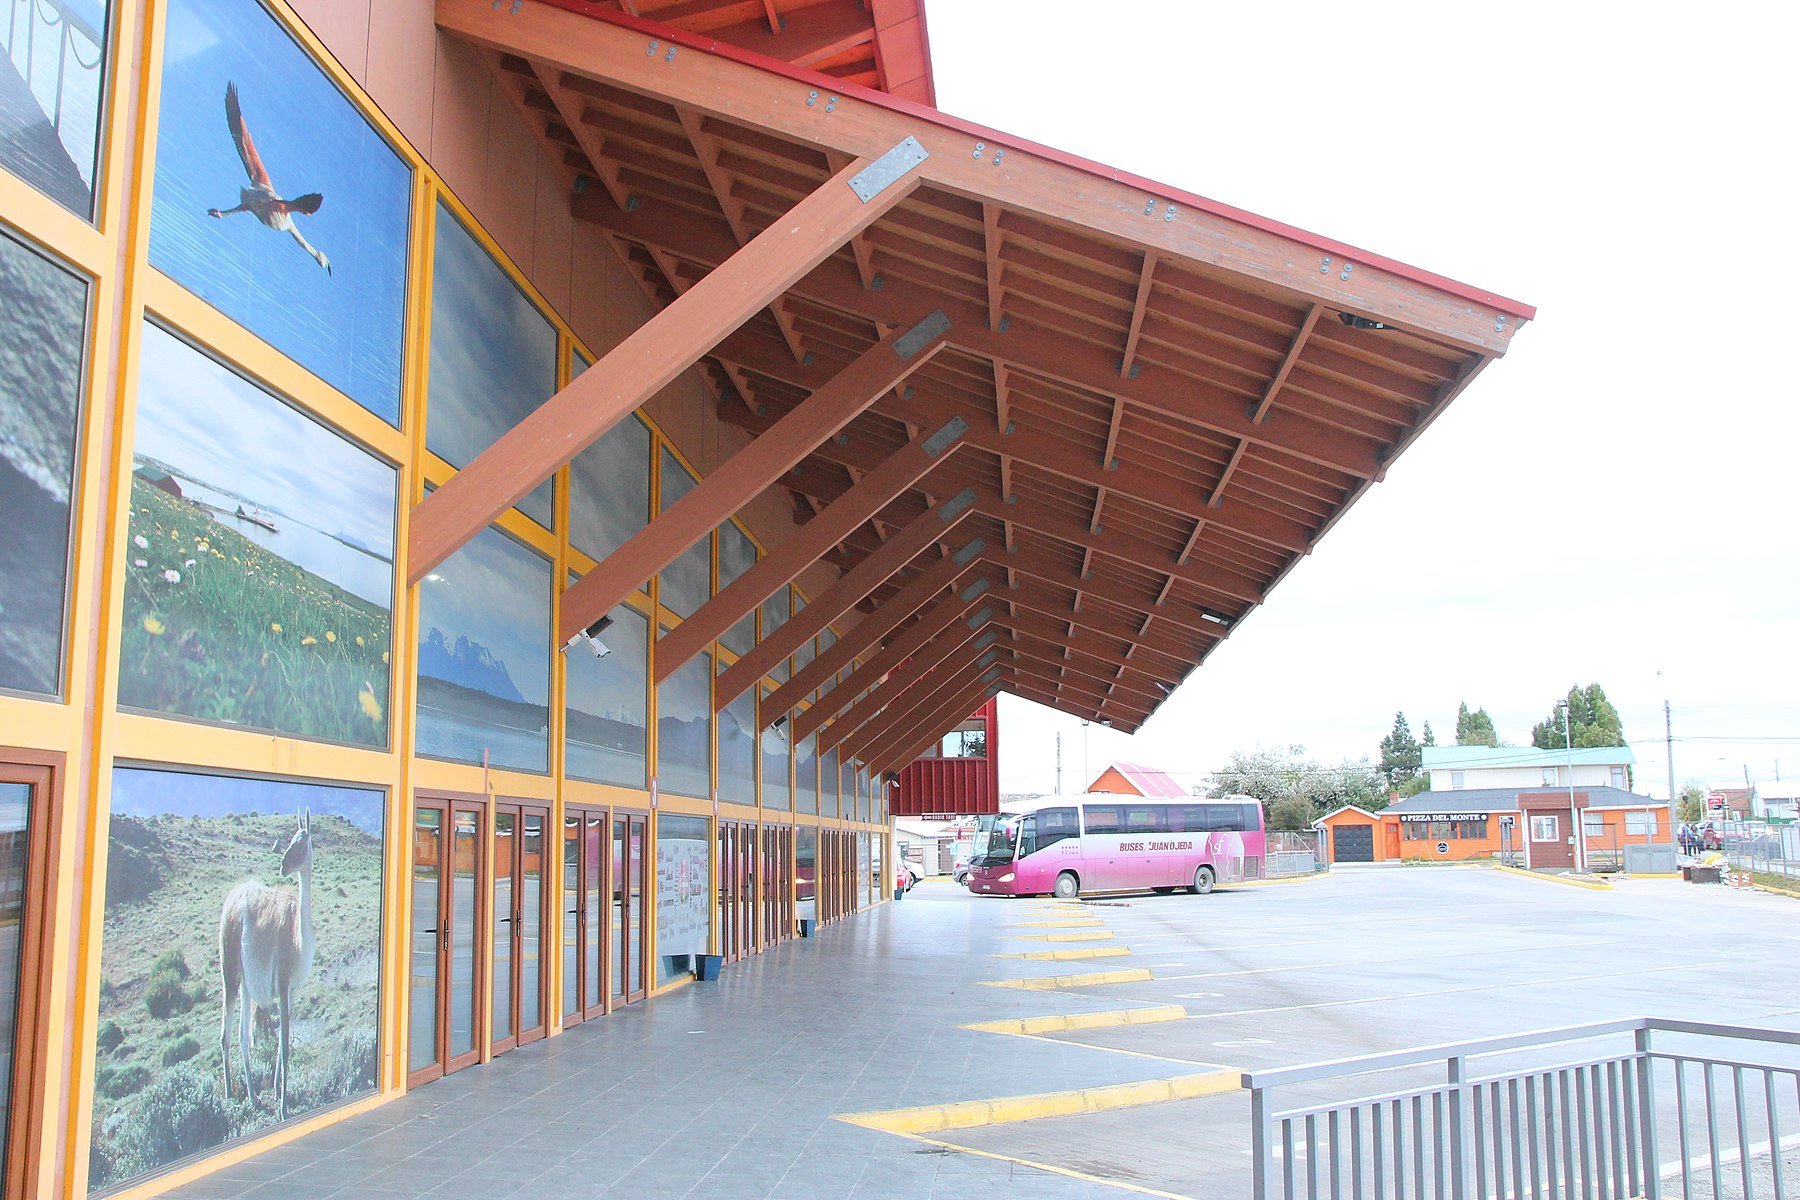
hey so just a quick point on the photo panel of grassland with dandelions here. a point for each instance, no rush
(215, 887)
(259, 577)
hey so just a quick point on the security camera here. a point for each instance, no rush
(591, 636)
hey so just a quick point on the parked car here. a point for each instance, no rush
(906, 877)
(960, 873)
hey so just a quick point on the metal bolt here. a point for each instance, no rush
(650, 50)
(998, 155)
(1500, 323)
(1170, 215)
(670, 56)
(1324, 266)
(1348, 267)
(831, 103)
(1149, 206)
(979, 147)
(810, 97)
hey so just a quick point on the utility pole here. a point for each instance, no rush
(1574, 814)
(1059, 762)
(1669, 751)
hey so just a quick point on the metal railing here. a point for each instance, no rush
(1770, 847)
(26, 33)
(1291, 852)
(1585, 1129)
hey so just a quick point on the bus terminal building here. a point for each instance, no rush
(496, 492)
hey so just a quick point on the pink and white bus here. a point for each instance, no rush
(1069, 845)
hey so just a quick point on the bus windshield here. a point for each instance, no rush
(996, 841)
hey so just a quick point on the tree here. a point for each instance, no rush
(1285, 772)
(1474, 728)
(1412, 787)
(1399, 753)
(1427, 738)
(1291, 812)
(1691, 806)
(1591, 721)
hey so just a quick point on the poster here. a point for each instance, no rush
(40, 403)
(52, 71)
(259, 574)
(684, 895)
(214, 886)
(277, 202)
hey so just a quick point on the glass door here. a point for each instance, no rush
(22, 795)
(517, 919)
(635, 939)
(584, 913)
(447, 905)
(620, 924)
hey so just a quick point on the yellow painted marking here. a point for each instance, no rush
(1065, 1022)
(1050, 983)
(1271, 882)
(1088, 936)
(975, 1114)
(1592, 885)
(1070, 953)
(1058, 923)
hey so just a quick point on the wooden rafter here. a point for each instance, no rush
(1260, 412)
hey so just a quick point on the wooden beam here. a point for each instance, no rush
(1032, 179)
(653, 356)
(879, 736)
(809, 543)
(850, 646)
(991, 243)
(1218, 493)
(913, 736)
(1138, 307)
(914, 671)
(1260, 412)
(747, 473)
(937, 618)
(924, 530)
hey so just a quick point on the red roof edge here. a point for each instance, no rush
(585, 8)
(925, 49)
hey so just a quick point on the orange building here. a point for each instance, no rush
(1532, 827)
(1135, 779)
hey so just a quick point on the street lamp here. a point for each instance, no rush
(1574, 814)
(1084, 753)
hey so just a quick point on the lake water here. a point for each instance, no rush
(444, 734)
(355, 570)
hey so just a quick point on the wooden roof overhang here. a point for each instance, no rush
(1167, 401)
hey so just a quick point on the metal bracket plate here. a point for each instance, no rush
(916, 338)
(975, 589)
(952, 507)
(881, 174)
(948, 436)
(967, 554)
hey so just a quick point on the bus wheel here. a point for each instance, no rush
(1203, 881)
(1067, 886)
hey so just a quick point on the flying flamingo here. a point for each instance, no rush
(259, 199)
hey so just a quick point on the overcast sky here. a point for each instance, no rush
(1614, 501)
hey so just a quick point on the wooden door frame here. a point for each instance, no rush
(639, 943)
(603, 935)
(450, 803)
(537, 808)
(28, 1135)
(519, 808)
(434, 1070)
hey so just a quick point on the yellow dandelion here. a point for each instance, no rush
(359, 640)
(384, 656)
(309, 641)
(371, 707)
(331, 637)
(154, 627)
(274, 626)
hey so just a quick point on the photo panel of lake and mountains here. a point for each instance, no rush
(217, 887)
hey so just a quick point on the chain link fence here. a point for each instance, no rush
(1766, 846)
(1292, 852)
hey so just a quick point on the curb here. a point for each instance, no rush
(1316, 875)
(1069, 1022)
(1094, 936)
(1592, 886)
(1050, 983)
(973, 1114)
(1071, 953)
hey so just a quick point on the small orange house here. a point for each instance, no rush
(1135, 779)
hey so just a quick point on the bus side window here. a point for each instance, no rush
(1143, 820)
(1055, 825)
(1104, 818)
(1252, 818)
(1224, 818)
(1187, 818)
(1028, 843)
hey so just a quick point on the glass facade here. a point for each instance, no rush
(606, 734)
(684, 892)
(737, 750)
(737, 554)
(609, 489)
(684, 730)
(686, 582)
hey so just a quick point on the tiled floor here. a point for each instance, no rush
(729, 1089)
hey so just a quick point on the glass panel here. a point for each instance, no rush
(428, 861)
(605, 736)
(484, 655)
(592, 850)
(198, 861)
(15, 862)
(684, 729)
(261, 564)
(828, 783)
(804, 653)
(634, 872)
(40, 400)
(683, 893)
(737, 749)
(775, 761)
(806, 870)
(465, 846)
(531, 925)
(53, 57)
(493, 355)
(609, 489)
(248, 119)
(506, 861)
(686, 582)
(618, 908)
(774, 616)
(737, 554)
(571, 934)
(806, 774)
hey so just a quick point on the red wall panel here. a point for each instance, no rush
(954, 785)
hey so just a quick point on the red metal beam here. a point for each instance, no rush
(933, 689)
(914, 672)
